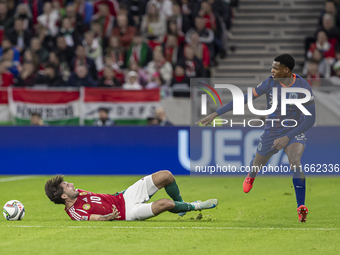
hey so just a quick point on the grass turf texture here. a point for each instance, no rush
(261, 222)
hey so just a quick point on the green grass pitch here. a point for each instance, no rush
(261, 222)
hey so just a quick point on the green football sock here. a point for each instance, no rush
(182, 207)
(173, 191)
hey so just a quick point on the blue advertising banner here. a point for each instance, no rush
(88, 150)
(230, 150)
(143, 150)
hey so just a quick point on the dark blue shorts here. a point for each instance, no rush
(265, 145)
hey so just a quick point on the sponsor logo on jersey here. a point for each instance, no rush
(301, 136)
(85, 199)
(86, 206)
(83, 193)
(259, 147)
(293, 96)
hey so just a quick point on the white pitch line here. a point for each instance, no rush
(146, 227)
(17, 178)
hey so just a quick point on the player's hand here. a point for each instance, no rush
(280, 143)
(115, 214)
(207, 120)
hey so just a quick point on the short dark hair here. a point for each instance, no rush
(54, 190)
(35, 114)
(20, 19)
(90, 32)
(313, 61)
(60, 37)
(330, 1)
(4, 38)
(50, 65)
(81, 46)
(172, 34)
(6, 50)
(337, 48)
(123, 6)
(286, 60)
(172, 20)
(95, 22)
(103, 109)
(181, 64)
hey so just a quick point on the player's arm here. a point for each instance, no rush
(228, 107)
(306, 124)
(108, 217)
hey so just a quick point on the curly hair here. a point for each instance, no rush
(54, 190)
(286, 60)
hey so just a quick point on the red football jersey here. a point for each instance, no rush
(88, 203)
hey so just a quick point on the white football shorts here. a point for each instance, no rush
(136, 197)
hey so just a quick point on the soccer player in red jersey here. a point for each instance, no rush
(129, 204)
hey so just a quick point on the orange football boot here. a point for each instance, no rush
(248, 183)
(302, 212)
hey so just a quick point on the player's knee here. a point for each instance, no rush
(168, 176)
(294, 158)
(295, 162)
(166, 204)
(169, 205)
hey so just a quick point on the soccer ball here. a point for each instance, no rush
(14, 210)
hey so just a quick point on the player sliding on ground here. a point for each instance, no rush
(276, 137)
(129, 204)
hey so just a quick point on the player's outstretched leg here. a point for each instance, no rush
(299, 182)
(166, 180)
(294, 153)
(255, 166)
(164, 204)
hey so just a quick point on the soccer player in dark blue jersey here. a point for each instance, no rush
(277, 137)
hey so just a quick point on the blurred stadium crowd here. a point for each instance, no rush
(323, 48)
(129, 44)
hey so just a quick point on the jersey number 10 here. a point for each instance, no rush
(95, 199)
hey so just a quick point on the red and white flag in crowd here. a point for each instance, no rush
(55, 107)
(124, 106)
(5, 116)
